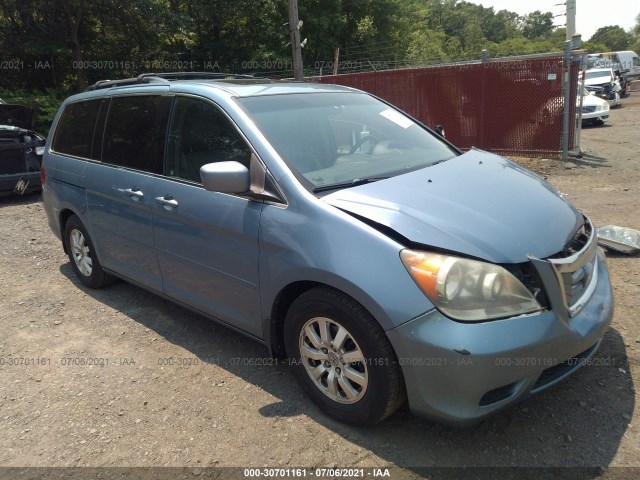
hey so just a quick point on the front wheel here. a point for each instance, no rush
(342, 358)
(82, 255)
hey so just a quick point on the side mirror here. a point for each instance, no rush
(225, 177)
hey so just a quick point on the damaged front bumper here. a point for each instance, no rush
(458, 373)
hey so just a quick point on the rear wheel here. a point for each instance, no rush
(342, 358)
(82, 255)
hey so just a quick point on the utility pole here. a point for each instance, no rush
(566, 91)
(571, 18)
(296, 49)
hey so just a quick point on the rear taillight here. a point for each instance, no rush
(43, 175)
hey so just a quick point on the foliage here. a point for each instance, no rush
(537, 25)
(613, 37)
(45, 105)
(635, 35)
(57, 47)
(592, 47)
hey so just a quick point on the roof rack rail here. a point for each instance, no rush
(166, 77)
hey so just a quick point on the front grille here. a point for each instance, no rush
(576, 268)
(589, 109)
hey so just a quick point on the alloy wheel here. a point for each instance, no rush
(333, 360)
(81, 252)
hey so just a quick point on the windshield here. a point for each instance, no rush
(597, 73)
(338, 139)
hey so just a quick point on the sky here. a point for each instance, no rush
(590, 14)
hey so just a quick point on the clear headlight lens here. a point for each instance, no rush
(466, 289)
(620, 239)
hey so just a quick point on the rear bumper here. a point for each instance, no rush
(8, 182)
(458, 373)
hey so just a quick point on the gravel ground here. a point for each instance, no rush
(120, 377)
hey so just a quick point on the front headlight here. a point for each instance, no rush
(466, 289)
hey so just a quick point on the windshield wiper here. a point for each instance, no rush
(353, 183)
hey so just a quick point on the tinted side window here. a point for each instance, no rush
(135, 132)
(199, 134)
(74, 134)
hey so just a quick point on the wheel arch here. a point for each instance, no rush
(64, 216)
(274, 330)
(378, 388)
(285, 297)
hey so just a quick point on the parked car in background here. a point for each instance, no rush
(382, 261)
(595, 110)
(21, 151)
(598, 60)
(603, 82)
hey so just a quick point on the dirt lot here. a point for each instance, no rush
(169, 388)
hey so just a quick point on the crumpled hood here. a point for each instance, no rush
(16, 116)
(599, 80)
(477, 204)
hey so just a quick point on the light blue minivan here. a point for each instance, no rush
(383, 262)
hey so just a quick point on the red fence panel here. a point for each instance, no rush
(510, 106)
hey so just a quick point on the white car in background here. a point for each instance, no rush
(595, 110)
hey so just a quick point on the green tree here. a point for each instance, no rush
(376, 29)
(324, 22)
(33, 34)
(635, 33)
(613, 36)
(635, 30)
(62, 45)
(510, 22)
(427, 46)
(537, 25)
(593, 47)
(472, 36)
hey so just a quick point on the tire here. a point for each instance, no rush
(357, 382)
(82, 255)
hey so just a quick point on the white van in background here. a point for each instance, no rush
(628, 60)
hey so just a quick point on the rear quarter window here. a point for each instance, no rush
(74, 135)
